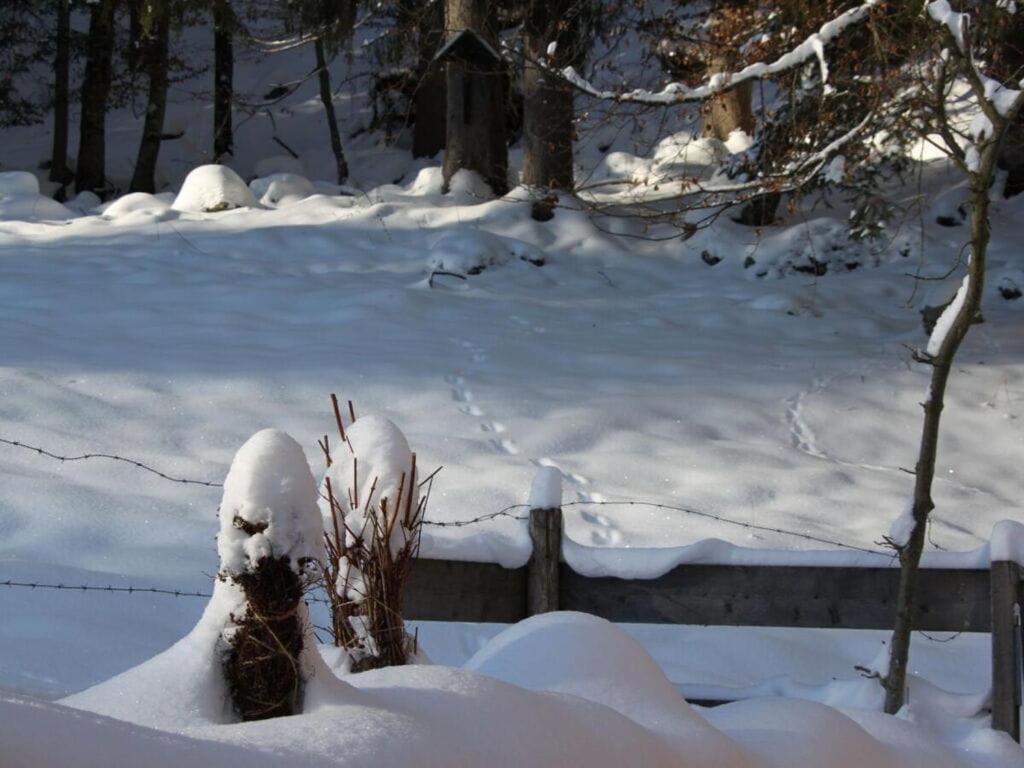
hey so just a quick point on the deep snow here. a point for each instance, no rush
(706, 373)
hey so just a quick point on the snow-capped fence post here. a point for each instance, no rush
(1006, 647)
(546, 535)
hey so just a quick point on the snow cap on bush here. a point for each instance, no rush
(269, 507)
(211, 188)
(377, 457)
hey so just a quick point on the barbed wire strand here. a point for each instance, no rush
(506, 512)
(109, 457)
(730, 521)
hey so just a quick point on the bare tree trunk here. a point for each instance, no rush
(476, 102)
(729, 111)
(223, 78)
(430, 126)
(548, 109)
(340, 165)
(910, 551)
(143, 180)
(59, 171)
(91, 171)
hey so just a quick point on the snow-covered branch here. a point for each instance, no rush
(680, 93)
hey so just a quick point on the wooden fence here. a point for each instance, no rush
(748, 596)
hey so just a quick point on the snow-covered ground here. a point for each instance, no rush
(705, 373)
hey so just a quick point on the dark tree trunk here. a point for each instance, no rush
(548, 110)
(430, 126)
(143, 180)
(59, 171)
(340, 165)
(476, 102)
(223, 78)
(91, 171)
(134, 54)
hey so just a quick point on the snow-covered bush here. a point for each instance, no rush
(136, 204)
(270, 535)
(467, 251)
(281, 188)
(212, 188)
(373, 513)
(20, 200)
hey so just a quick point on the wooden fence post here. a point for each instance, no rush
(1006, 648)
(546, 535)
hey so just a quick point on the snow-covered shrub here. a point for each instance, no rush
(467, 251)
(281, 188)
(212, 188)
(373, 513)
(20, 200)
(136, 204)
(270, 536)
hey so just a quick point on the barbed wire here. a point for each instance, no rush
(108, 588)
(502, 513)
(730, 521)
(506, 512)
(127, 589)
(109, 457)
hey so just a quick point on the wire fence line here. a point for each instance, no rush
(507, 512)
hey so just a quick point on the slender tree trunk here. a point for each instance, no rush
(143, 180)
(61, 78)
(910, 552)
(548, 110)
(91, 171)
(340, 165)
(430, 126)
(223, 78)
(476, 103)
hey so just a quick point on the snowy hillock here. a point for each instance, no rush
(20, 200)
(471, 251)
(213, 188)
(556, 690)
(281, 189)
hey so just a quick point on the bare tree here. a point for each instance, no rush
(59, 171)
(1001, 107)
(551, 32)
(92, 145)
(156, 26)
(223, 78)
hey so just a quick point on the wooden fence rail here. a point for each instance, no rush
(749, 596)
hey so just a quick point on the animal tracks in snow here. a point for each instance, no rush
(602, 530)
(463, 395)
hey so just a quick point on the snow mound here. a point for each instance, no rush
(470, 184)
(20, 200)
(136, 204)
(467, 251)
(270, 488)
(281, 189)
(792, 732)
(212, 188)
(85, 202)
(585, 656)
(428, 181)
(18, 184)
